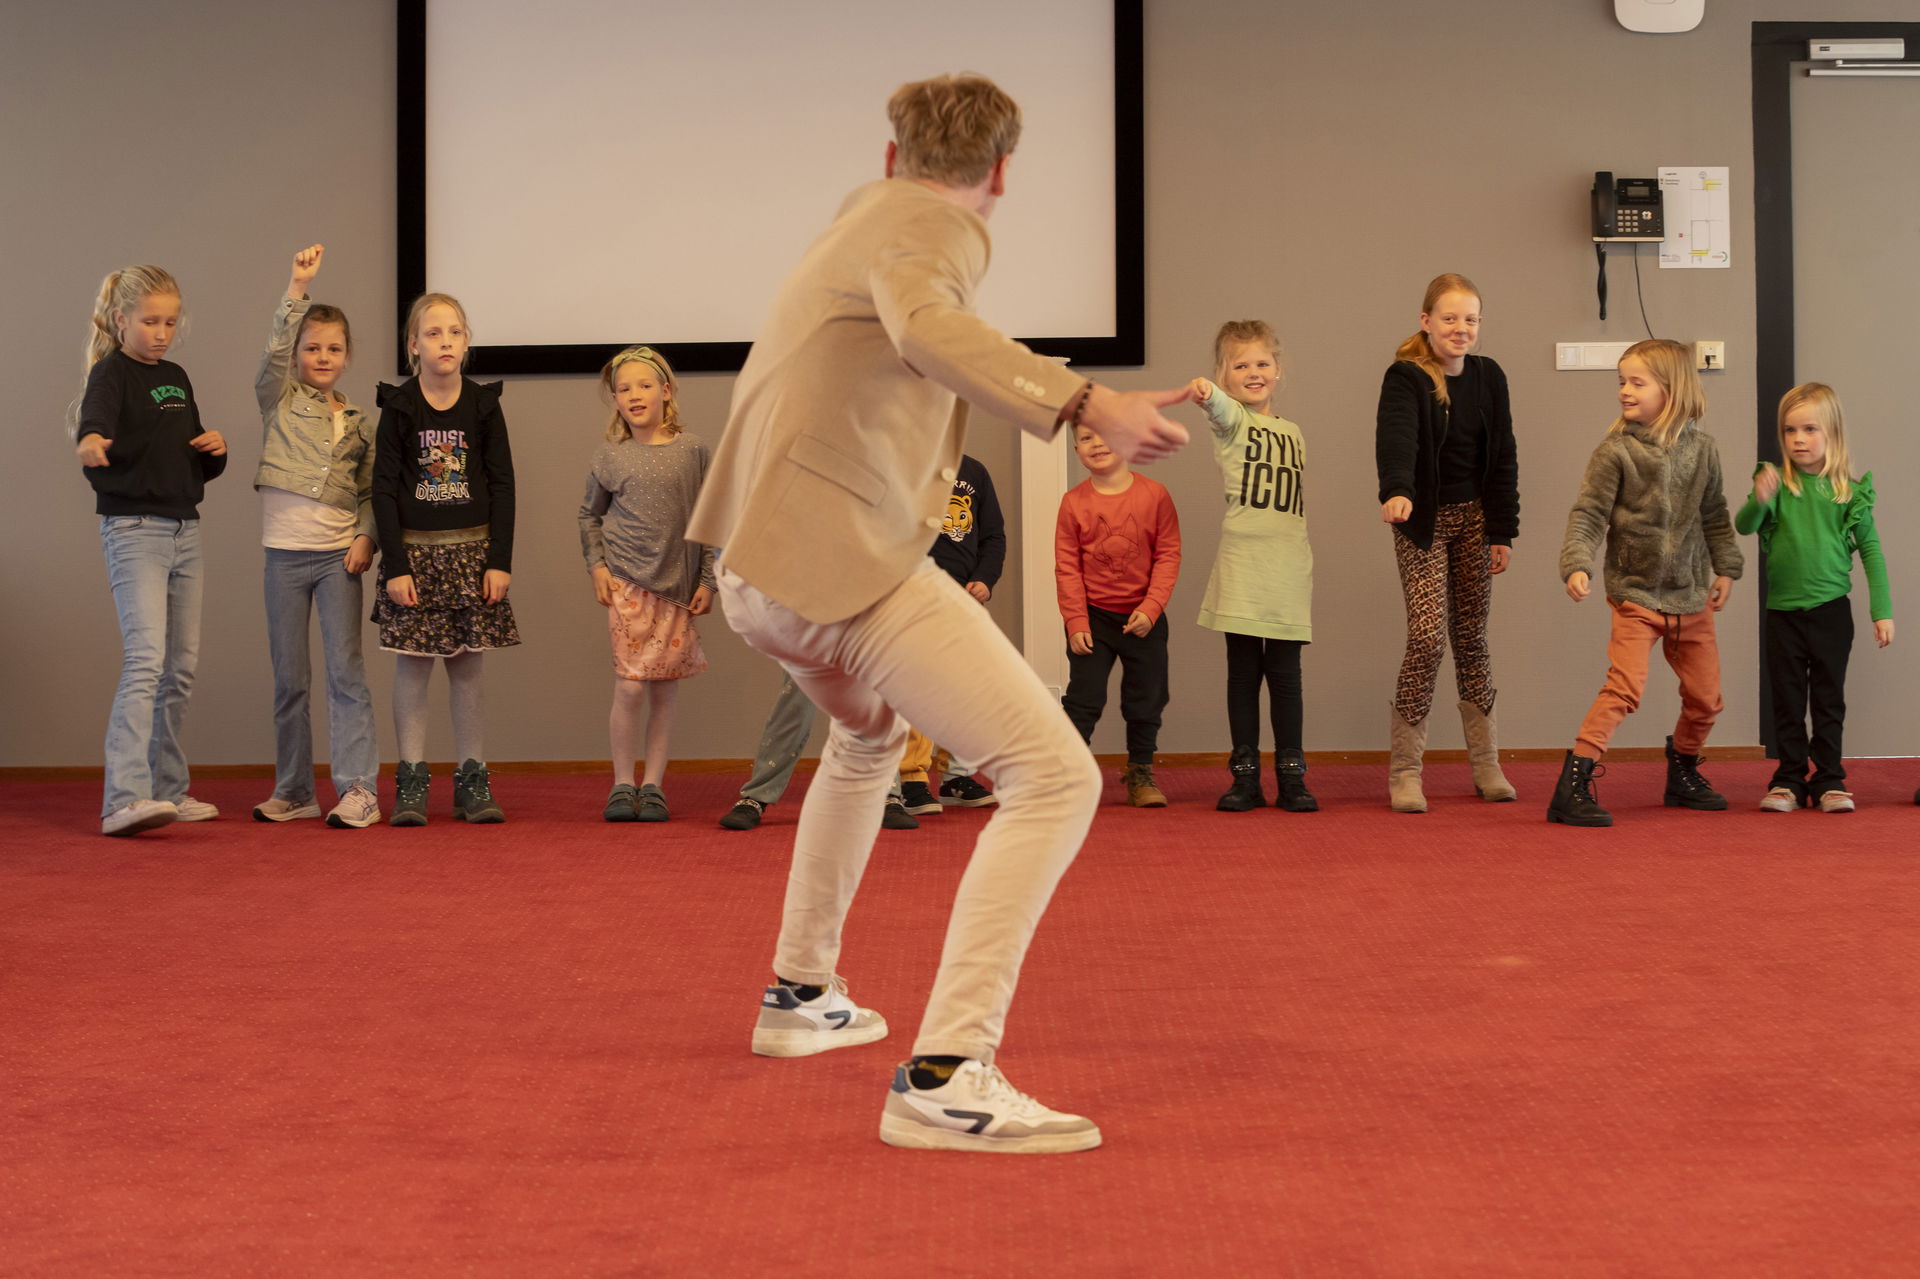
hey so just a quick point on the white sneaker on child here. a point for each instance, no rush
(791, 1027)
(141, 814)
(195, 810)
(977, 1109)
(358, 808)
(285, 810)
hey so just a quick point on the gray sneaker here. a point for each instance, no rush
(977, 1109)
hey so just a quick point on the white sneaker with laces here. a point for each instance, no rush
(1836, 801)
(978, 1109)
(276, 809)
(357, 808)
(789, 1027)
(195, 810)
(1780, 799)
(141, 814)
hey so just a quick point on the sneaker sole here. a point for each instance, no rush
(346, 823)
(148, 822)
(198, 817)
(986, 802)
(805, 1043)
(908, 1135)
(298, 814)
(923, 810)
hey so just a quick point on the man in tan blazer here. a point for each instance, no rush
(843, 443)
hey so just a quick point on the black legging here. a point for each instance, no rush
(1250, 658)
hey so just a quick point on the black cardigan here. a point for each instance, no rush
(1409, 429)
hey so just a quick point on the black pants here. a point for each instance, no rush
(1807, 652)
(1251, 660)
(1143, 681)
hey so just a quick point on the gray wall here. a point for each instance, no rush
(1314, 168)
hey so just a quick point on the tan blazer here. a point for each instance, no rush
(845, 435)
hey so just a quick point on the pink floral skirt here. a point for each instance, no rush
(653, 637)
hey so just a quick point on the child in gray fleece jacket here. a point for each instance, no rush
(1653, 488)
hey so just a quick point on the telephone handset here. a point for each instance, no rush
(1629, 209)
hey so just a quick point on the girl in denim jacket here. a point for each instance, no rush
(315, 482)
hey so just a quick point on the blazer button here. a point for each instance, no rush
(933, 522)
(316, 490)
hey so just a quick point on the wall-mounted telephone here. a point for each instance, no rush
(1630, 209)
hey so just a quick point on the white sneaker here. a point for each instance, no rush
(195, 810)
(358, 808)
(1836, 801)
(790, 1028)
(285, 810)
(141, 814)
(1780, 799)
(978, 1109)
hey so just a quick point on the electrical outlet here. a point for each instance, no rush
(1572, 356)
(1709, 355)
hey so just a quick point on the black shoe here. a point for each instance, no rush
(1686, 788)
(653, 804)
(410, 784)
(917, 799)
(1245, 767)
(1574, 802)
(620, 803)
(473, 796)
(896, 817)
(744, 815)
(1290, 780)
(966, 792)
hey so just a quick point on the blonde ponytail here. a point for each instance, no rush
(1417, 349)
(120, 292)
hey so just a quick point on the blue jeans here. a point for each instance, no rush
(154, 567)
(297, 584)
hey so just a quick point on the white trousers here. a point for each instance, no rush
(927, 652)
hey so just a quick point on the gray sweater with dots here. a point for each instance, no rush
(634, 516)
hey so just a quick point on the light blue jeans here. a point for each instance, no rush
(153, 565)
(297, 584)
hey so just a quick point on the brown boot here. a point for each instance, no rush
(1483, 752)
(1141, 792)
(1409, 742)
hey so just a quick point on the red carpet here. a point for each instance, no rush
(1350, 1043)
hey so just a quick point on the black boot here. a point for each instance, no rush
(1685, 787)
(473, 799)
(1245, 766)
(1573, 799)
(1290, 777)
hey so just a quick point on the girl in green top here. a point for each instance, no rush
(1260, 592)
(1811, 522)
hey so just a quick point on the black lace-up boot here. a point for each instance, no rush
(1685, 787)
(1574, 802)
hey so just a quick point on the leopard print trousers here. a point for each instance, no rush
(1449, 594)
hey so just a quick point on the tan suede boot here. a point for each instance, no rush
(1483, 752)
(1403, 768)
(1141, 792)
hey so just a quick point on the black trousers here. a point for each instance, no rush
(1143, 681)
(1251, 660)
(1807, 652)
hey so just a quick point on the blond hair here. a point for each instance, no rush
(1825, 403)
(617, 428)
(1238, 333)
(1418, 349)
(952, 128)
(1671, 365)
(418, 309)
(120, 292)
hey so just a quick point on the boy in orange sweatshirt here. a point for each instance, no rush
(1116, 552)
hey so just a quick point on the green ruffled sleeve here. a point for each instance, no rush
(1865, 539)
